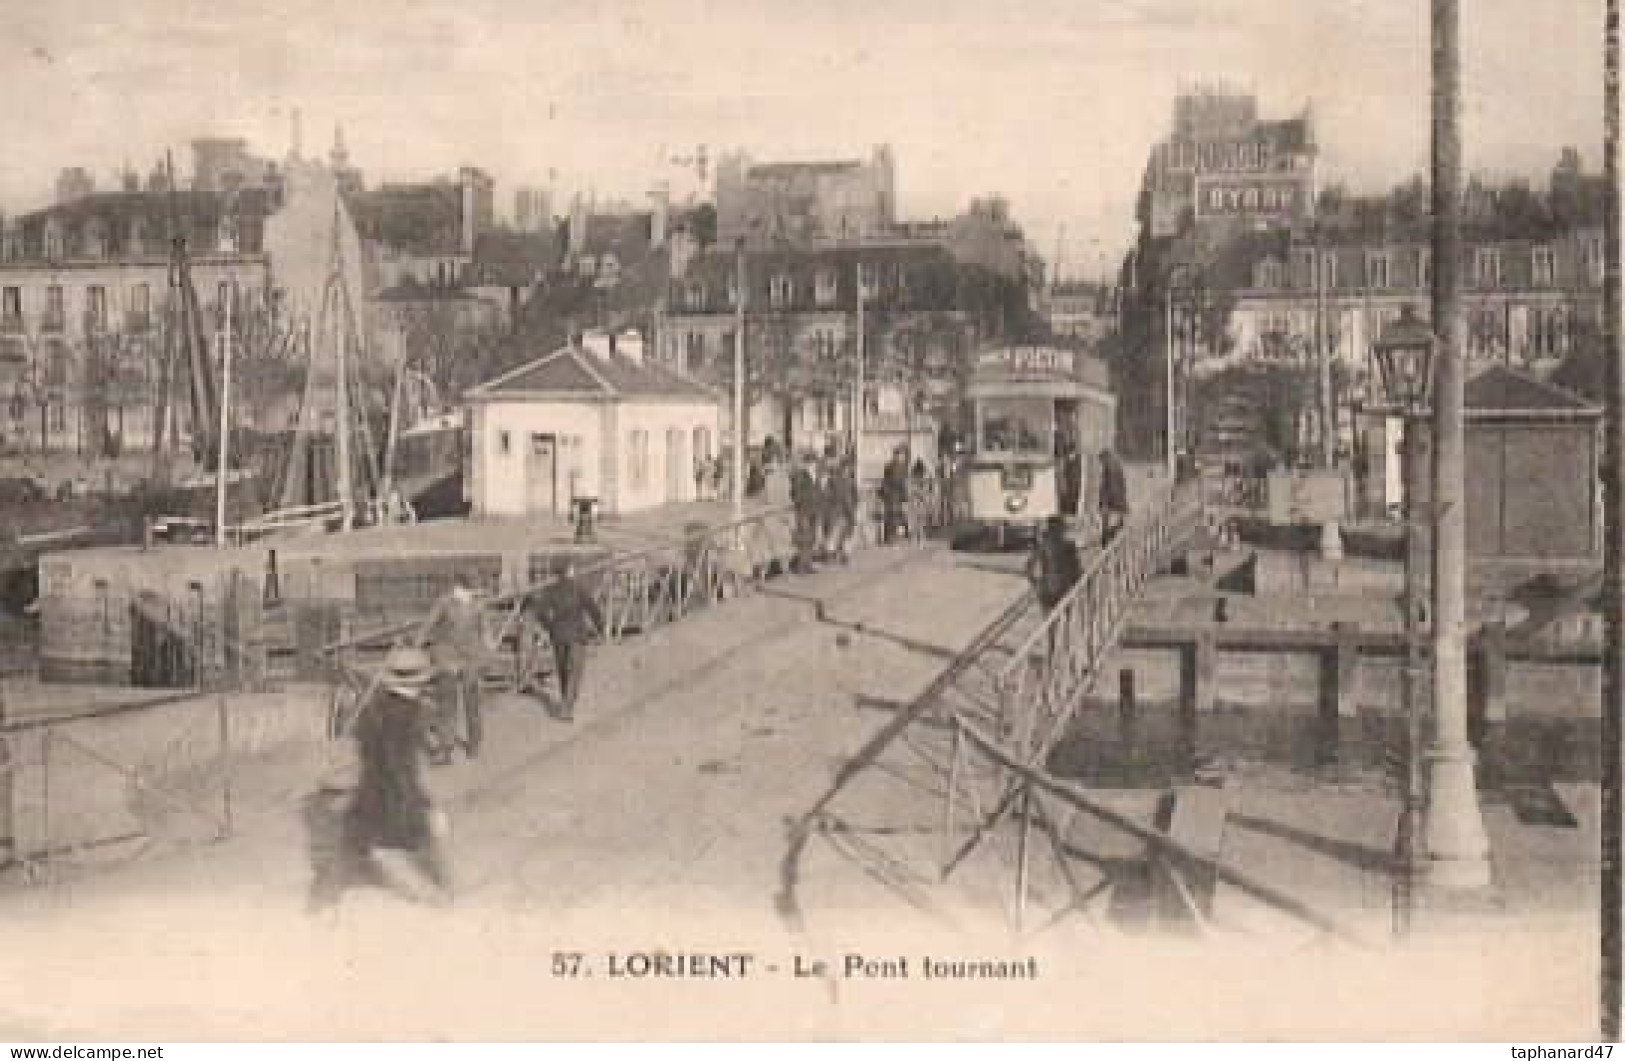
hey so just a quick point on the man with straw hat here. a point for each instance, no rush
(390, 807)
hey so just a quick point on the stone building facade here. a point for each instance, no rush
(805, 204)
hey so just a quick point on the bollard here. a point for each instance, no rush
(1127, 710)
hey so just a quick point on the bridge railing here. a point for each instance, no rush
(636, 592)
(1041, 686)
(976, 742)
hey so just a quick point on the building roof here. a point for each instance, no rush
(1499, 389)
(514, 259)
(573, 372)
(787, 170)
(411, 218)
(411, 290)
(196, 215)
(627, 236)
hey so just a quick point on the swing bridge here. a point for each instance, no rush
(951, 805)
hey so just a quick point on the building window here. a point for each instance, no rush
(824, 287)
(694, 295)
(1546, 330)
(637, 459)
(1487, 267)
(1329, 264)
(53, 239)
(1267, 274)
(96, 307)
(1306, 266)
(693, 351)
(780, 290)
(1591, 251)
(1376, 270)
(504, 443)
(55, 309)
(140, 305)
(731, 290)
(1545, 267)
(868, 281)
(11, 308)
(1424, 267)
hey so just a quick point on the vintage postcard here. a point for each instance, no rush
(750, 520)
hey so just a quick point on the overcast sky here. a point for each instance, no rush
(1055, 103)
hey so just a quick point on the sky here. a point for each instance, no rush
(1052, 103)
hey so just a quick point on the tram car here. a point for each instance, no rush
(1026, 408)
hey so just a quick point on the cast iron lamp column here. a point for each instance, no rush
(1457, 843)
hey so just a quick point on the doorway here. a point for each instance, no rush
(542, 476)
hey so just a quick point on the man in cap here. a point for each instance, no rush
(455, 632)
(390, 807)
(572, 619)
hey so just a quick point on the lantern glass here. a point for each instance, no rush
(1404, 356)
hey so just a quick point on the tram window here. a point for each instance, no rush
(1017, 425)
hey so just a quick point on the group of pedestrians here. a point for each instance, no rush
(425, 706)
(824, 495)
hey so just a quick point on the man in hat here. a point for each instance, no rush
(572, 619)
(455, 632)
(390, 807)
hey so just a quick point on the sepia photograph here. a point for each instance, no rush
(742, 520)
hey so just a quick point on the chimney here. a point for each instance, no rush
(576, 237)
(660, 200)
(629, 344)
(599, 344)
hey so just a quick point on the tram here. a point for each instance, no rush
(1026, 409)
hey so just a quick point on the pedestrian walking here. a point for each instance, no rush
(807, 500)
(1113, 496)
(894, 495)
(842, 503)
(390, 807)
(920, 500)
(702, 476)
(572, 620)
(1053, 567)
(1070, 463)
(455, 634)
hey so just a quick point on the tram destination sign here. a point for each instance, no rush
(1027, 361)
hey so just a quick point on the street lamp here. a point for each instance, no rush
(1404, 356)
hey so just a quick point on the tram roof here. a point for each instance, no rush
(1038, 370)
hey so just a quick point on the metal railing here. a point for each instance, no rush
(635, 591)
(1040, 689)
(976, 743)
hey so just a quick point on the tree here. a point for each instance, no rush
(452, 342)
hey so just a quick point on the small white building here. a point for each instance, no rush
(590, 420)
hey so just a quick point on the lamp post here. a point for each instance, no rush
(1404, 357)
(1457, 843)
